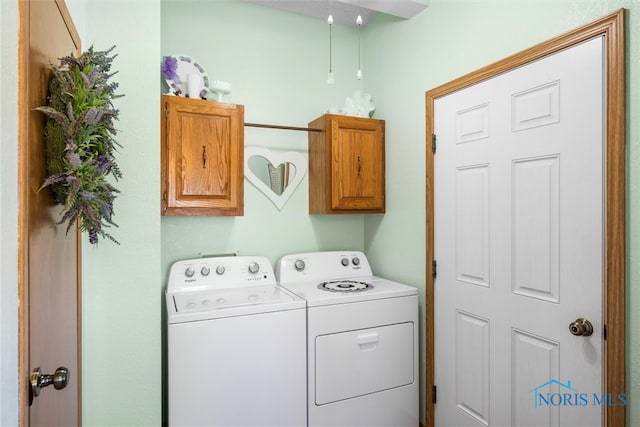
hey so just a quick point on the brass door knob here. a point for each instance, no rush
(59, 379)
(581, 327)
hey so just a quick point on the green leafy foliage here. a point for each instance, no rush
(79, 134)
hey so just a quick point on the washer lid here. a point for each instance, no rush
(229, 298)
(215, 304)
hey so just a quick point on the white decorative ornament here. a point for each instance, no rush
(220, 88)
(295, 159)
(359, 104)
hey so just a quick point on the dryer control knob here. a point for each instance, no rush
(254, 267)
(189, 272)
(205, 271)
(299, 265)
(220, 270)
(344, 261)
(355, 261)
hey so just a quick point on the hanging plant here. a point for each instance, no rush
(80, 144)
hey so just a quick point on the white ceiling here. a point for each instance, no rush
(346, 11)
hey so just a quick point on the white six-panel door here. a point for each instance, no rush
(519, 244)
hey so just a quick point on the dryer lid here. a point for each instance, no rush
(345, 286)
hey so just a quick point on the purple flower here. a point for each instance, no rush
(93, 236)
(169, 67)
(74, 159)
(103, 165)
(88, 195)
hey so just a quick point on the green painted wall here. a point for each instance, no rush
(277, 63)
(121, 283)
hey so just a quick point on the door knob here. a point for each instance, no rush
(581, 327)
(59, 379)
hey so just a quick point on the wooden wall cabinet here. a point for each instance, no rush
(202, 157)
(346, 165)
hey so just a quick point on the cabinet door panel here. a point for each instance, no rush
(358, 166)
(203, 157)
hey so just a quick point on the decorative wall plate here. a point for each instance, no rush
(256, 165)
(185, 66)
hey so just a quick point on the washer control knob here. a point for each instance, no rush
(355, 261)
(254, 267)
(189, 272)
(344, 261)
(205, 270)
(220, 270)
(299, 265)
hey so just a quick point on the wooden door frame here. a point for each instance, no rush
(612, 27)
(23, 219)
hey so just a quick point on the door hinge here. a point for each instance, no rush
(434, 268)
(433, 143)
(604, 332)
(166, 113)
(434, 394)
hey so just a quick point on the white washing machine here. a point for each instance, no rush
(236, 345)
(362, 339)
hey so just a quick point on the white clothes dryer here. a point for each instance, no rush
(236, 345)
(362, 341)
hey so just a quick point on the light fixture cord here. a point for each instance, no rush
(359, 43)
(330, 79)
(359, 24)
(330, 49)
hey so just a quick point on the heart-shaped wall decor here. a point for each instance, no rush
(293, 164)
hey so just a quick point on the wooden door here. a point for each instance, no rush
(357, 164)
(518, 203)
(527, 237)
(202, 157)
(49, 258)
